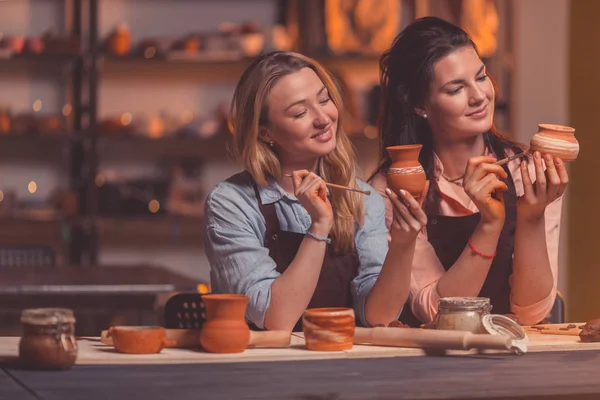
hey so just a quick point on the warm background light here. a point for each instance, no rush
(32, 187)
(153, 206)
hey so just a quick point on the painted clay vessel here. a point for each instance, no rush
(406, 172)
(328, 329)
(139, 339)
(556, 140)
(225, 329)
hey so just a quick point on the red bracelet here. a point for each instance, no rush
(474, 250)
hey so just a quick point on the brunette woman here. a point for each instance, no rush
(491, 231)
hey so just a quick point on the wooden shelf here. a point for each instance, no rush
(34, 147)
(152, 231)
(141, 148)
(42, 64)
(23, 230)
(211, 68)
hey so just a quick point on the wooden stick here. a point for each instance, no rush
(333, 185)
(514, 156)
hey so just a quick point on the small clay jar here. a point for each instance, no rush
(48, 340)
(406, 172)
(462, 313)
(556, 140)
(328, 329)
(139, 339)
(119, 42)
(225, 329)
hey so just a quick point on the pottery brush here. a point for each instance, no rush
(333, 185)
(513, 157)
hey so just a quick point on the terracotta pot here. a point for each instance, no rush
(406, 172)
(139, 339)
(225, 329)
(328, 329)
(556, 140)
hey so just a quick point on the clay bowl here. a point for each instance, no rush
(139, 339)
(328, 329)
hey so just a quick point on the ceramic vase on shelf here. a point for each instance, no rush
(225, 329)
(406, 172)
(556, 140)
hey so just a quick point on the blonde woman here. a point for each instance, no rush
(276, 233)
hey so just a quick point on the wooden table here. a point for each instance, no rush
(96, 293)
(556, 367)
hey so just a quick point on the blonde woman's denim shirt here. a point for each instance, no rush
(235, 237)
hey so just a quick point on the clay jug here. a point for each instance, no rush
(406, 172)
(225, 329)
(556, 140)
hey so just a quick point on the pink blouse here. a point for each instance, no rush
(427, 268)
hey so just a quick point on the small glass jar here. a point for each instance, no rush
(462, 313)
(48, 340)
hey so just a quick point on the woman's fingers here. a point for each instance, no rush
(552, 178)
(528, 190)
(474, 162)
(414, 206)
(562, 174)
(540, 175)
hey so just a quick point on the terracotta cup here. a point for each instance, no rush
(556, 140)
(139, 339)
(328, 329)
(225, 329)
(406, 172)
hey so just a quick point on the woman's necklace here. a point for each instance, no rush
(458, 181)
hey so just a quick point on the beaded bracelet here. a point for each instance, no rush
(480, 254)
(319, 238)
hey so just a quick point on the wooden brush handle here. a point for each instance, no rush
(269, 339)
(430, 339)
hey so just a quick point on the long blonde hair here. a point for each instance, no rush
(249, 112)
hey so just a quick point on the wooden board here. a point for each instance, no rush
(91, 351)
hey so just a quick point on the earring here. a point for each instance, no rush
(425, 116)
(271, 143)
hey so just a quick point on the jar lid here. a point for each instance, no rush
(47, 316)
(496, 324)
(464, 303)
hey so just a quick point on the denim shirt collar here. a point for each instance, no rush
(272, 193)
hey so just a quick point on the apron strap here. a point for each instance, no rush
(269, 214)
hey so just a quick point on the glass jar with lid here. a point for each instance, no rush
(462, 313)
(48, 340)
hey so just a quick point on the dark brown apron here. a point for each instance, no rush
(337, 273)
(449, 236)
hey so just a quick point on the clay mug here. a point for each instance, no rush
(328, 329)
(225, 329)
(139, 339)
(406, 172)
(556, 140)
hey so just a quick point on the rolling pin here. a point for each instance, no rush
(431, 339)
(190, 338)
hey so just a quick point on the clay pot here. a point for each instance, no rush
(139, 339)
(406, 172)
(328, 329)
(591, 331)
(556, 140)
(225, 329)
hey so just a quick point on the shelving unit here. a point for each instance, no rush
(82, 149)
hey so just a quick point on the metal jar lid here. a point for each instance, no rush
(47, 316)
(496, 324)
(464, 303)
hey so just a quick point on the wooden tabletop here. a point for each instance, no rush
(385, 375)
